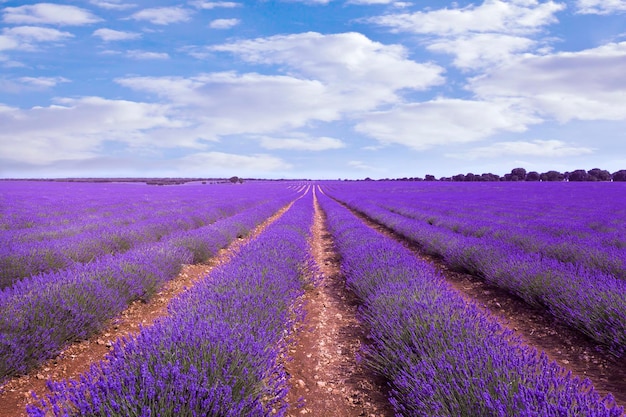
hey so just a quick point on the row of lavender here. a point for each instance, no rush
(586, 298)
(441, 355)
(219, 351)
(46, 226)
(575, 223)
(42, 314)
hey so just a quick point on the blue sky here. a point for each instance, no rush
(310, 89)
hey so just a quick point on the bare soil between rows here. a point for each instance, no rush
(326, 377)
(571, 349)
(78, 357)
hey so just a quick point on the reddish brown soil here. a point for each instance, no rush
(77, 358)
(571, 349)
(326, 377)
(15, 394)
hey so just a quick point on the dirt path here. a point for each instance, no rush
(326, 378)
(76, 359)
(571, 349)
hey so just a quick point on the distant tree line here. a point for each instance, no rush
(520, 174)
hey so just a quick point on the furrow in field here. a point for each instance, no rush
(77, 358)
(326, 377)
(571, 349)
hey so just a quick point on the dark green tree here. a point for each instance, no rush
(552, 176)
(597, 174)
(619, 175)
(533, 176)
(518, 174)
(578, 175)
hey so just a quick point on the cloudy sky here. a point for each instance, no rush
(310, 89)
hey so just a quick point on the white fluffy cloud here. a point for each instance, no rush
(535, 148)
(482, 50)
(225, 164)
(443, 122)
(301, 143)
(8, 43)
(362, 166)
(313, 2)
(584, 85)
(349, 62)
(43, 82)
(513, 17)
(113, 4)
(329, 76)
(394, 3)
(109, 35)
(23, 84)
(601, 6)
(49, 14)
(27, 38)
(37, 34)
(478, 36)
(209, 5)
(163, 15)
(138, 54)
(229, 103)
(77, 128)
(224, 23)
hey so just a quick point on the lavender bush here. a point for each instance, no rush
(587, 298)
(42, 314)
(441, 355)
(218, 352)
(78, 223)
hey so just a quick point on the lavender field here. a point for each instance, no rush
(74, 255)
(561, 247)
(442, 355)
